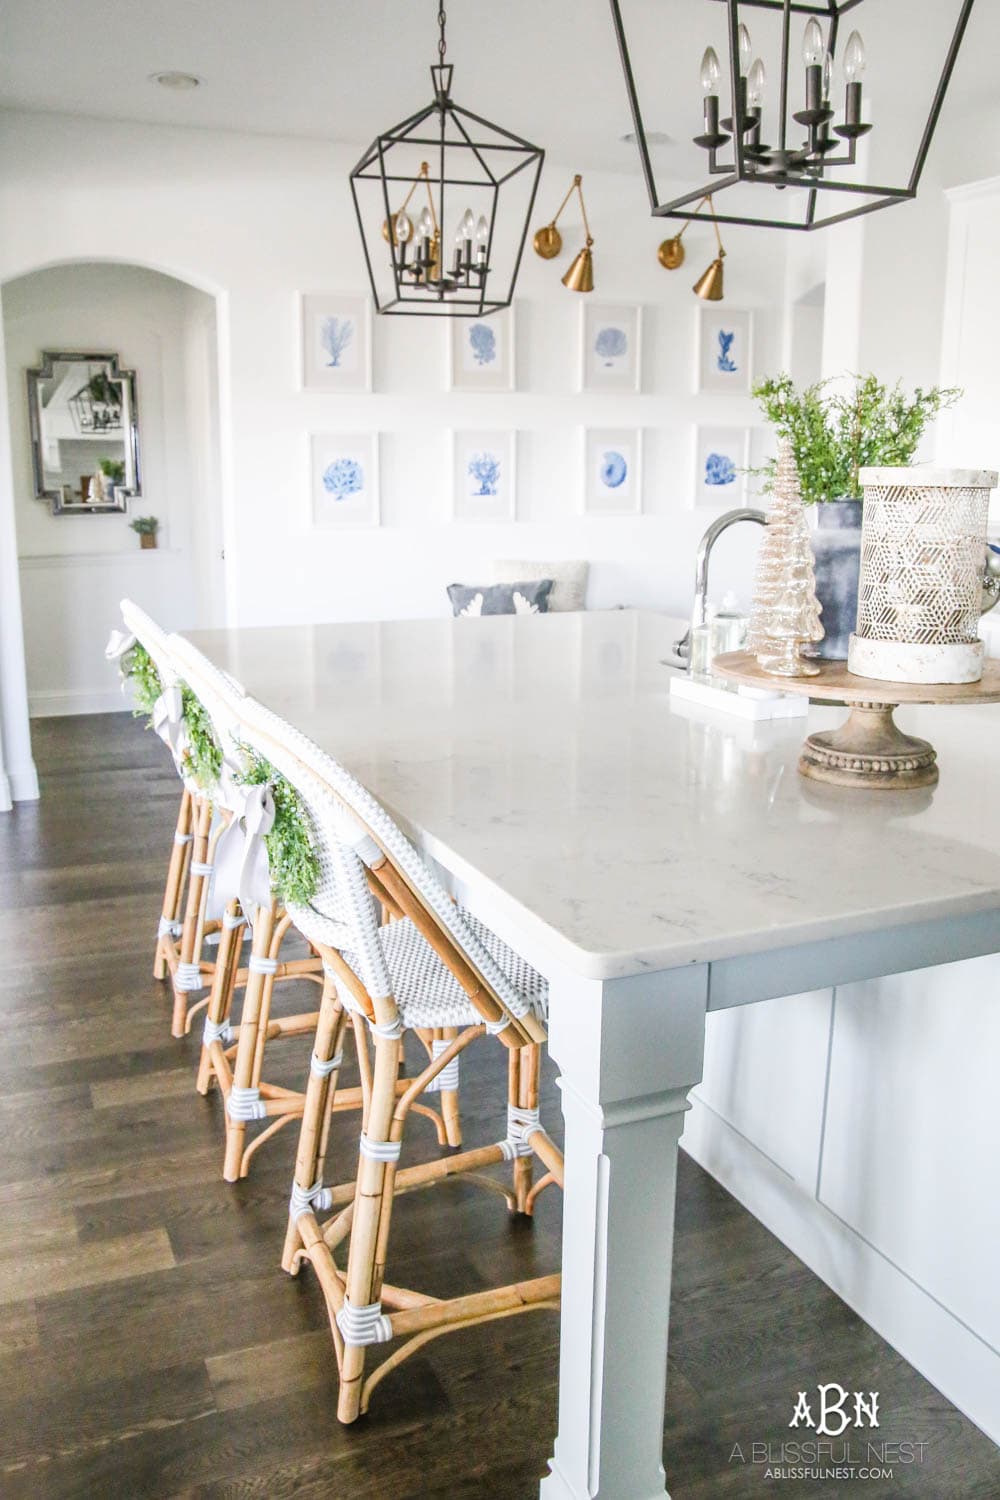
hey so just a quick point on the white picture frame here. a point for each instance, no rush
(721, 457)
(612, 471)
(344, 475)
(483, 465)
(335, 341)
(610, 347)
(482, 354)
(723, 350)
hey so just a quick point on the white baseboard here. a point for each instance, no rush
(6, 800)
(947, 1353)
(53, 704)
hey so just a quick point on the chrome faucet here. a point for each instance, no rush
(682, 647)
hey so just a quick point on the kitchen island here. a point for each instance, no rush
(668, 870)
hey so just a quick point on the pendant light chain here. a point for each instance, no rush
(442, 22)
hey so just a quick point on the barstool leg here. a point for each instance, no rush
(524, 1064)
(324, 1069)
(240, 1106)
(372, 1207)
(175, 880)
(449, 1098)
(220, 1003)
(184, 977)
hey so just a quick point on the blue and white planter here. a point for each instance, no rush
(836, 545)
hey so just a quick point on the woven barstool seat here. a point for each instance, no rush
(427, 994)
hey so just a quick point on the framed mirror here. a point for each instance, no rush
(84, 433)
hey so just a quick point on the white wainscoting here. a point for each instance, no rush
(862, 1126)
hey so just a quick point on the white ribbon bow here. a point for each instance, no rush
(241, 864)
(168, 722)
(118, 644)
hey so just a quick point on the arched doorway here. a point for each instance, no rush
(74, 568)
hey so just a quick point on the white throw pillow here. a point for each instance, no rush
(569, 577)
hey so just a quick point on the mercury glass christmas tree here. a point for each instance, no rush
(784, 614)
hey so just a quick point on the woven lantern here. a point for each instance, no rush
(923, 545)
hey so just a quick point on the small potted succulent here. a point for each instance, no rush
(836, 429)
(146, 527)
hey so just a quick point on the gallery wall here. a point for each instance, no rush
(258, 221)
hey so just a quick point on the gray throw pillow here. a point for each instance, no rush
(501, 598)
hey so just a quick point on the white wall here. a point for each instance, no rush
(259, 220)
(75, 569)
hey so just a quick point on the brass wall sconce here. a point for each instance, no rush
(548, 243)
(671, 255)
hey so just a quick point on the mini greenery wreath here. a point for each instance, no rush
(203, 755)
(140, 669)
(292, 858)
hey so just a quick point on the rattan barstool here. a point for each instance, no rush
(233, 1056)
(434, 969)
(183, 923)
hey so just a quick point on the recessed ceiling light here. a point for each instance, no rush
(179, 81)
(653, 138)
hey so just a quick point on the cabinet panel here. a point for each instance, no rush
(765, 1074)
(913, 1129)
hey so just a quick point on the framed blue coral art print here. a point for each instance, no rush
(483, 479)
(610, 347)
(345, 489)
(481, 352)
(721, 460)
(724, 351)
(612, 471)
(336, 341)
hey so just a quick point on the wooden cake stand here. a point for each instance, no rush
(868, 749)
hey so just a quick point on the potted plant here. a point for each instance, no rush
(836, 429)
(147, 527)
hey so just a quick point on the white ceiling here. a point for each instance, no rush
(345, 69)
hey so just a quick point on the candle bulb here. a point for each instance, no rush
(854, 65)
(425, 228)
(744, 47)
(710, 75)
(827, 76)
(756, 85)
(812, 55)
(403, 229)
(482, 238)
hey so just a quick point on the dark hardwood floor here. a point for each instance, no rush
(150, 1345)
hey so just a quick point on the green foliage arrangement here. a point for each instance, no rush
(834, 434)
(113, 469)
(140, 669)
(203, 755)
(294, 867)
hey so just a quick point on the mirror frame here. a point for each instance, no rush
(130, 433)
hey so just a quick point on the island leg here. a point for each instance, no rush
(629, 1050)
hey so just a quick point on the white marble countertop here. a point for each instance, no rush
(543, 756)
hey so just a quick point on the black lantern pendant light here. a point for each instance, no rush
(445, 171)
(766, 141)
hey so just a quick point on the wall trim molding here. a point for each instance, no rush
(958, 1363)
(85, 559)
(54, 703)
